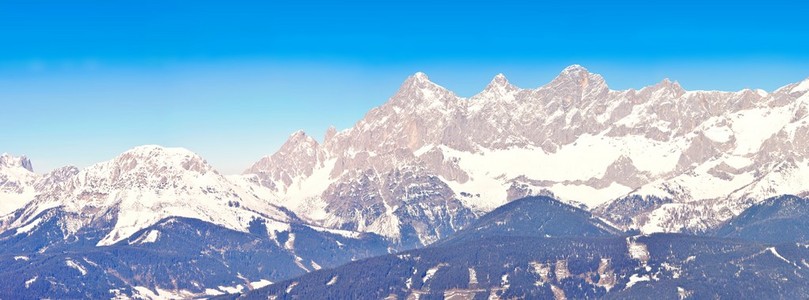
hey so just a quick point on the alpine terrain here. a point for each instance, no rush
(658, 159)
(567, 190)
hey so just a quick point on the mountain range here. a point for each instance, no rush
(679, 160)
(429, 174)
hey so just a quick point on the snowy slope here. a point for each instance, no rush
(761, 153)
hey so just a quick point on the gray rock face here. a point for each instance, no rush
(710, 153)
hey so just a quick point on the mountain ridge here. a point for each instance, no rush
(506, 142)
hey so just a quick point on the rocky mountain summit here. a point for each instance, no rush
(658, 159)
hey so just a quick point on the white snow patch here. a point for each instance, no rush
(588, 157)
(683, 293)
(275, 227)
(542, 270)
(13, 201)
(658, 217)
(28, 227)
(431, 272)
(260, 284)
(213, 292)
(179, 294)
(231, 289)
(142, 292)
(752, 127)
(588, 195)
(778, 255)
(493, 192)
(637, 250)
(473, 277)
(303, 195)
(721, 134)
(698, 184)
(676, 271)
(789, 179)
(145, 292)
(340, 232)
(31, 281)
(315, 265)
(77, 266)
(299, 263)
(635, 278)
(290, 242)
(149, 237)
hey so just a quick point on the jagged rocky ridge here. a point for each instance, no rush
(658, 159)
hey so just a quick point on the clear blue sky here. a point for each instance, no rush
(81, 81)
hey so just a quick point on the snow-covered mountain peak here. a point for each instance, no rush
(299, 144)
(420, 76)
(418, 80)
(498, 88)
(668, 83)
(667, 88)
(297, 157)
(574, 69)
(156, 160)
(419, 91)
(140, 187)
(9, 161)
(499, 80)
(298, 141)
(801, 87)
(157, 150)
(576, 81)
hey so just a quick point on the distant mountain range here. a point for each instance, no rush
(602, 174)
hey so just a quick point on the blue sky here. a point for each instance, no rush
(83, 81)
